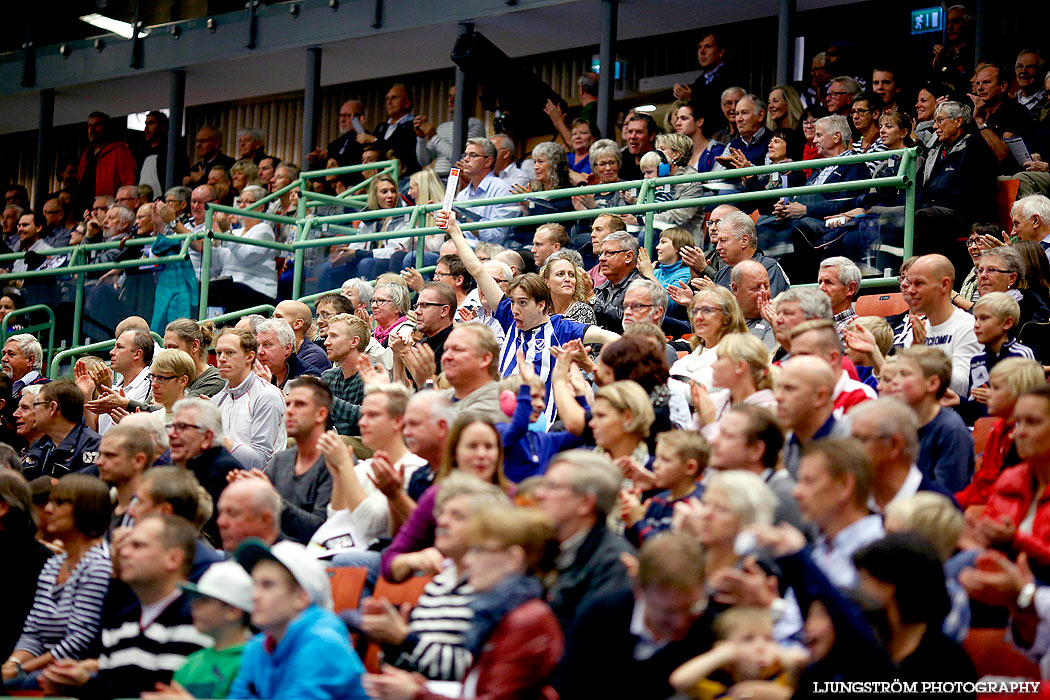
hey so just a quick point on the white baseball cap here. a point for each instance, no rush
(225, 581)
(306, 569)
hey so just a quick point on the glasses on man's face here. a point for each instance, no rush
(610, 253)
(973, 243)
(837, 93)
(182, 427)
(427, 303)
(469, 156)
(860, 110)
(937, 121)
(161, 377)
(635, 306)
(41, 403)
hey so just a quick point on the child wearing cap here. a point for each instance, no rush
(303, 650)
(220, 604)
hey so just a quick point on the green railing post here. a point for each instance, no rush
(421, 242)
(202, 312)
(299, 256)
(78, 299)
(909, 205)
(646, 195)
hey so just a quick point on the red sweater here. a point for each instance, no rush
(518, 660)
(1011, 498)
(1000, 439)
(114, 168)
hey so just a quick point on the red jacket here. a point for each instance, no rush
(1010, 498)
(115, 167)
(518, 660)
(1000, 439)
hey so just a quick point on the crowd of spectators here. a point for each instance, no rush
(590, 457)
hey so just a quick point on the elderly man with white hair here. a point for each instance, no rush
(22, 359)
(839, 278)
(278, 362)
(797, 223)
(1030, 220)
(738, 241)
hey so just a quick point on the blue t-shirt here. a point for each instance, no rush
(946, 450)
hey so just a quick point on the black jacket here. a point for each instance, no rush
(599, 654)
(596, 571)
(211, 467)
(402, 142)
(960, 177)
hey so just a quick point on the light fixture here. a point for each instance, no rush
(645, 108)
(114, 26)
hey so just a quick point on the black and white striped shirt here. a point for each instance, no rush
(434, 645)
(66, 619)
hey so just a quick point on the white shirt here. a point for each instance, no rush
(253, 418)
(956, 339)
(909, 488)
(835, 557)
(250, 265)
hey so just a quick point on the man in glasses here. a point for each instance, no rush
(68, 444)
(618, 262)
(195, 438)
(435, 307)
(345, 147)
(476, 165)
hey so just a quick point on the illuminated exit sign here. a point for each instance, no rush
(926, 20)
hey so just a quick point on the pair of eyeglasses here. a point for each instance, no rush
(428, 303)
(161, 377)
(610, 253)
(183, 427)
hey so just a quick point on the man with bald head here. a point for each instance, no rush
(298, 315)
(59, 221)
(249, 508)
(933, 319)
(398, 132)
(804, 392)
(750, 286)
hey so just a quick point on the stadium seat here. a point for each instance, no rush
(981, 428)
(398, 594)
(880, 304)
(1005, 195)
(992, 655)
(347, 585)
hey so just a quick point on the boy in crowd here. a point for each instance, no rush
(945, 444)
(681, 457)
(868, 340)
(746, 650)
(303, 649)
(995, 315)
(221, 603)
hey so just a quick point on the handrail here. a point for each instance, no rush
(56, 362)
(304, 220)
(237, 315)
(6, 331)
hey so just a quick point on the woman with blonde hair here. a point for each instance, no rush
(515, 640)
(424, 187)
(741, 367)
(171, 372)
(194, 338)
(784, 111)
(713, 313)
(621, 420)
(570, 287)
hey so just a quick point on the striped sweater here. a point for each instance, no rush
(434, 645)
(134, 658)
(66, 619)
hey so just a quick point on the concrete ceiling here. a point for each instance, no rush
(551, 26)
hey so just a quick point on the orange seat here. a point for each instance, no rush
(347, 585)
(981, 428)
(1005, 195)
(755, 214)
(398, 594)
(880, 304)
(993, 656)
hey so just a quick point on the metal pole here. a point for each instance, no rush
(44, 138)
(464, 104)
(176, 105)
(78, 301)
(311, 101)
(909, 207)
(607, 71)
(787, 13)
(980, 31)
(202, 312)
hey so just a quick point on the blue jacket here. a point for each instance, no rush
(314, 661)
(527, 452)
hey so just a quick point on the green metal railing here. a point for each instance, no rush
(34, 328)
(304, 222)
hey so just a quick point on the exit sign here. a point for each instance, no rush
(926, 20)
